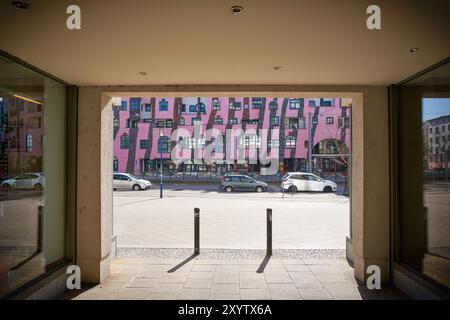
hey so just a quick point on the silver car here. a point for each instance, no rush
(129, 182)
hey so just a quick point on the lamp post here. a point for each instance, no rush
(161, 134)
(309, 142)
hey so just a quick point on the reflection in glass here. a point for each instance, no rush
(423, 221)
(436, 197)
(32, 197)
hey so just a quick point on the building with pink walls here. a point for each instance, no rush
(147, 129)
(21, 147)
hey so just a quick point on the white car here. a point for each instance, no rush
(35, 181)
(130, 182)
(301, 181)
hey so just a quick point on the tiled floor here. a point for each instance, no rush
(231, 279)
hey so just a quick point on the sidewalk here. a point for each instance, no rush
(202, 278)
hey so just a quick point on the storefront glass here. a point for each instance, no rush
(33, 174)
(423, 220)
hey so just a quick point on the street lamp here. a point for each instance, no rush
(161, 134)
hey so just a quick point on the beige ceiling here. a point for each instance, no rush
(201, 42)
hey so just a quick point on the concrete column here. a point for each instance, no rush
(94, 184)
(370, 182)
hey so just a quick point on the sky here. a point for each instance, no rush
(435, 108)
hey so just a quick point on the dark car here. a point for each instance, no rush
(240, 182)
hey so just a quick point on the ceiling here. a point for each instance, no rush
(316, 42)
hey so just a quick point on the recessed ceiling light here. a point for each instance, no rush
(143, 73)
(276, 68)
(20, 4)
(236, 9)
(412, 50)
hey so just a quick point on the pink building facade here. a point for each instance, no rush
(21, 137)
(147, 129)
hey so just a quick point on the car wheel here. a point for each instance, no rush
(228, 189)
(136, 187)
(292, 189)
(6, 187)
(259, 189)
(327, 189)
(38, 187)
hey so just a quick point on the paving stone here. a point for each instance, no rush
(226, 278)
(248, 267)
(279, 271)
(250, 275)
(95, 295)
(225, 297)
(173, 288)
(200, 275)
(287, 262)
(305, 280)
(142, 283)
(249, 261)
(296, 267)
(278, 278)
(174, 278)
(112, 286)
(255, 294)
(205, 261)
(321, 269)
(225, 288)
(227, 261)
(151, 274)
(203, 267)
(194, 294)
(284, 292)
(255, 283)
(134, 279)
(133, 293)
(157, 267)
(198, 283)
(330, 278)
(228, 269)
(162, 296)
(340, 291)
(315, 294)
(121, 277)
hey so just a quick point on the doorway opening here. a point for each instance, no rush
(233, 157)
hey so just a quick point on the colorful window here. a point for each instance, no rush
(124, 141)
(163, 144)
(163, 105)
(123, 105)
(144, 144)
(135, 104)
(274, 121)
(290, 142)
(218, 121)
(296, 103)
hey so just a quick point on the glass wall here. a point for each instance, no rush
(33, 171)
(423, 220)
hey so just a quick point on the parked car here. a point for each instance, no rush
(130, 182)
(35, 181)
(181, 174)
(301, 181)
(240, 182)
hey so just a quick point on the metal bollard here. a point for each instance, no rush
(196, 231)
(269, 232)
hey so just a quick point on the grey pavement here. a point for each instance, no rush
(203, 278)
(229, 220)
